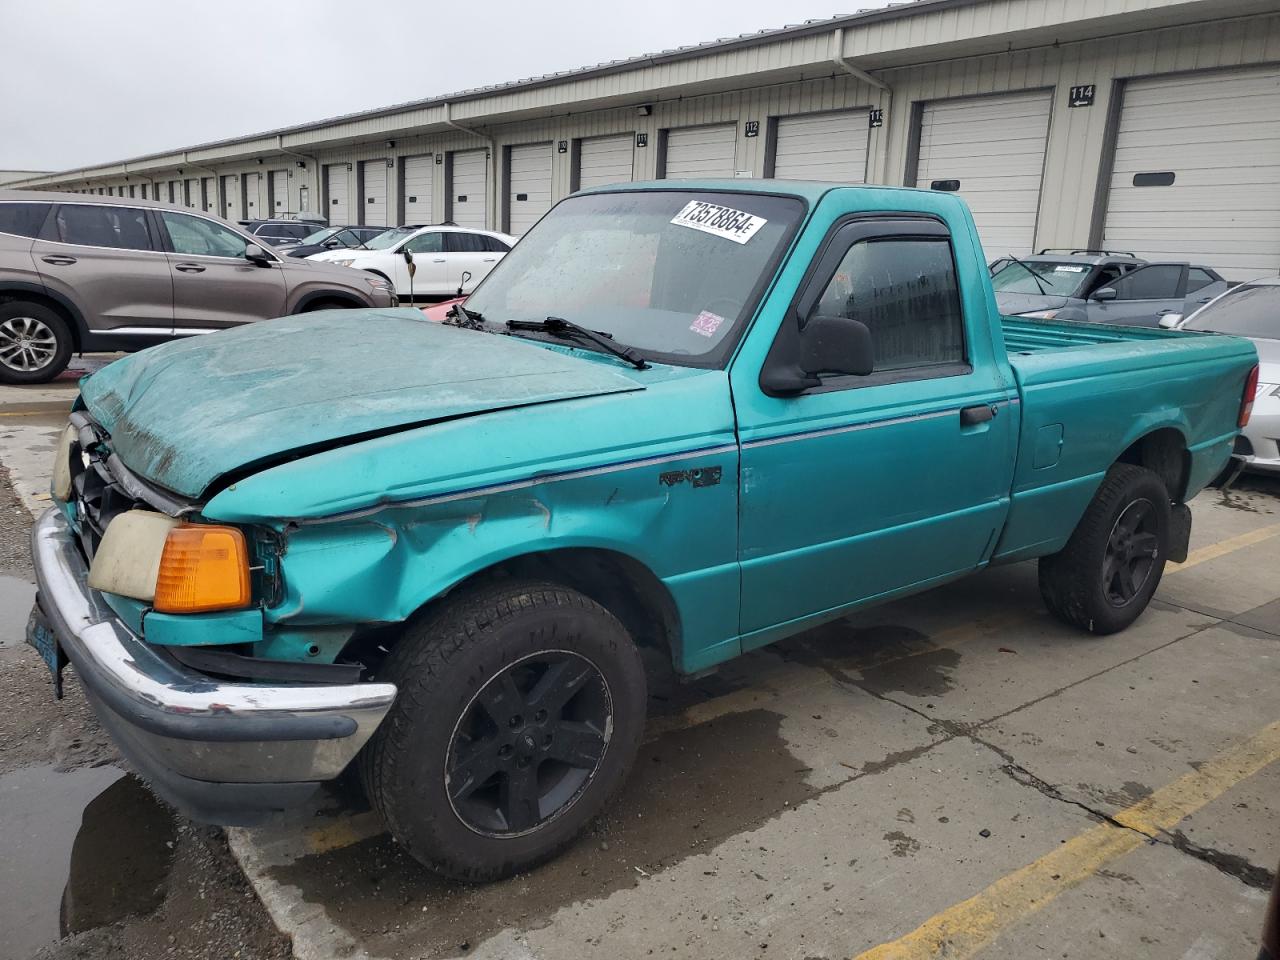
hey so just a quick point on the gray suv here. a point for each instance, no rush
(81, 273)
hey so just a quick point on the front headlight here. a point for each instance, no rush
(342, 263)
(1039, 314)
(380, 283)
(60, 484)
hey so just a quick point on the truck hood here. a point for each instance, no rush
(1012, 304)
(188, 412)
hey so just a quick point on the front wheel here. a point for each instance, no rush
(35, 343)
(520, 710)
(1105, 576)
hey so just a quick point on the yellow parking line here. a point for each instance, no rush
(966, 928)
(344, 832)
(1223, 547)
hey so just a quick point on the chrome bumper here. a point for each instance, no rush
(223, 752)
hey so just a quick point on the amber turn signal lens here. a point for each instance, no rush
(203, 568)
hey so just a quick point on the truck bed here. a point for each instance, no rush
(1025, 337)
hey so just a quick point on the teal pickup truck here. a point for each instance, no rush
(690, 416)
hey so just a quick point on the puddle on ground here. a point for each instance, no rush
(887, 658)
(16, 597)
(708, 783)
(79, 849)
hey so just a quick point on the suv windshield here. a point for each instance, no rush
(1249, 310)
(320, 236)
(1059, 279)
(673, 273)
(389, 238)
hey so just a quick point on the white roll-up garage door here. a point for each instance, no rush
(468, 189)
(373, 193)
(418, 187)
(254, 208)
(994, 147)
(337, 191)
(822, 146)
(278, 185)
(701, 152)
(605, 160)
(231, 199)
(1197, 172)
(529, 181)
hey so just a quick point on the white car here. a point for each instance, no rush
(441, 256)
(1251, 310)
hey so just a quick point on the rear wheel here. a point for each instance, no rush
(519, 713)
(1105, 576)
(35, 343)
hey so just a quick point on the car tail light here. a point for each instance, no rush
(203, 568)
(1246, 401)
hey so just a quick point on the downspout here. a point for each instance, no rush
(837, 58)
(491, 187)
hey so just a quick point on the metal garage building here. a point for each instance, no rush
(1147, 125)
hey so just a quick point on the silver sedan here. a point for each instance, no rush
(1251, 310)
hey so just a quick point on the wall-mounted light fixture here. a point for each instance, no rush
(391, 144)
(644, 109)
(300, 164)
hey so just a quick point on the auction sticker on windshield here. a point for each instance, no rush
(736, 225)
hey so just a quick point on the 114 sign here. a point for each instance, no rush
(1082, 96)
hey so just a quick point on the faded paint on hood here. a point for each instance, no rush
(185, 413)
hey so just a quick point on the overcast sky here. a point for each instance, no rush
(91, 82)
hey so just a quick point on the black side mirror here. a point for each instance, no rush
(332, 244)
(466, 278)
(835, 345)
(255, 254)
(1103, 294)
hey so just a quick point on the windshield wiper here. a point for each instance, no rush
(462, 317)
(560, 327)
(1034, 276)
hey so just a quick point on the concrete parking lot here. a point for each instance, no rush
(953, 775)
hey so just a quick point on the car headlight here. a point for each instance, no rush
(380, 283)
(1039, 314)
(60, 484)
(342, 263)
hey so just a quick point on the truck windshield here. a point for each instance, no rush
(674, 274)
(1059, 279)
(1249, 310)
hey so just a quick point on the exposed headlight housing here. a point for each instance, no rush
(60, 484)
(1039, 314)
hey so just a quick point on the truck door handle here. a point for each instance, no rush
(972, 416)
(489, 260)
(438, 260)
(59, 260)
(189, 267)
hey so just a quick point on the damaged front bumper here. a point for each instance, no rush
(227, 753)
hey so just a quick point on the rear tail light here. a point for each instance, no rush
(1246, 401)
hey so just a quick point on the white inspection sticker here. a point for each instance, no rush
(736, 225)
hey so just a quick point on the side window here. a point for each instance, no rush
(1106, 277)
(494, 245)
(124, 228)
(1198, 279)
(426, 243)
(195, 237)
(463, 243)
(24, 219)
(905, 292)
(1156, 282)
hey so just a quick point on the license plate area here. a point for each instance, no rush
(41, 636)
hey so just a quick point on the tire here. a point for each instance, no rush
(317, 305)
(1086, 584)
(448, 765)
(35, 342)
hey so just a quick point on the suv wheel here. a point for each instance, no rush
(35, 343)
